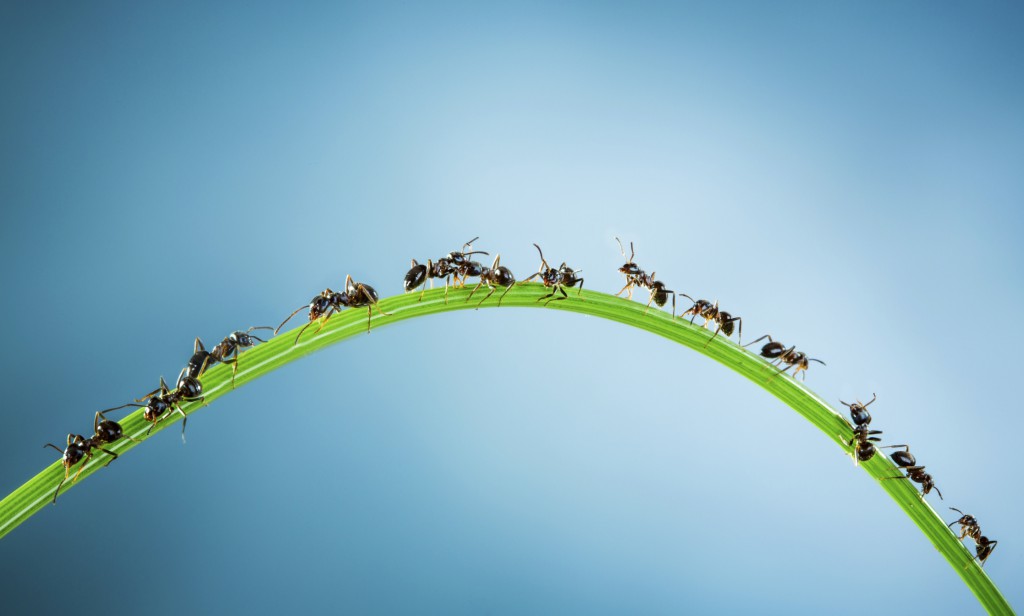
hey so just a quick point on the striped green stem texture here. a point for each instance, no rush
(38, 491)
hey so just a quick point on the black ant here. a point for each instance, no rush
(983, 549)
(232, 346)
(495, 276)
(787, 358)
(636, 276)
(862, 441)
(105, 432)
(328, 302)
(906, 461)
(161, 400)
(555, 279)
(455, 263)
(711, 314)
(968, 525)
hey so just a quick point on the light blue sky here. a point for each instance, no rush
(846, 178)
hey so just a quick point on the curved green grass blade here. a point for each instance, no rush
(38, 491)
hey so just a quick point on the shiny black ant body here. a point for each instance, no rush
(556, 279)
(637, 277)
(906, 461)
(983, 549)
(227, 350)
(455, 263)
(711, 314)
(495, 276)
(105, 432)
(162, 400)
(322, 306)
(968, 525)
(863, 439)
(787, 358)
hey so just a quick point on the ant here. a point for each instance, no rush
(455, 263)
(327, 303)
(556, 279)
(968, 526)
(906, 461)
(162, 399)
(232, 346)
(983, 549)
(105, 432)
(862, 441)
(777, 352)
(711, 314)
(636, 276)
(496, 275)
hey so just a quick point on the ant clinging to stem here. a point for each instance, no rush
(787, 357)
(105, 432)
(328, 302)
(556, 279)
(455, 263)
(863, 439)
(637, 277)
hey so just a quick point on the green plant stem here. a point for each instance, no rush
(38, 491)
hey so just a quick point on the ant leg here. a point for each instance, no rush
(649, 302)
(579, 293)
(528, 278)
(369, 316)
(234, 367)
(906, 448)
(366, 294)
(81, 468)
(553, 291)
(55, 447)
(113, 456)
(629, 285)
(564, 295)
(479, 284)
(297, 311)
(778, 372)
(713, 336)
(759, 340)
(489, 293)
(507, 289)
(183, 422)
(57, 491)
(673, 302)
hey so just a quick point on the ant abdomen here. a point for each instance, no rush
(903, 458)
(415, 276)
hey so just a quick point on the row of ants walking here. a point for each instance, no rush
(456, 268)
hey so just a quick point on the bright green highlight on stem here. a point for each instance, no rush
(38, 491)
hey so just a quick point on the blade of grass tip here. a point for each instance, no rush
(280, 350)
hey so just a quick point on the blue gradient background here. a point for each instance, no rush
(846, 178)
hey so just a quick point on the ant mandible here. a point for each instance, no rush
(787, 358)
(78, 447)
(454, 263)
(495, 276)
(906, 461)
(968, 525)
(863, 439)
(711, 314)
(322, 306)
(555, 279)
(636, 276)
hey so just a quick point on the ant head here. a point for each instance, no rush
(241, 339)
(630, 269)
(320, 304)
(156, 407)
